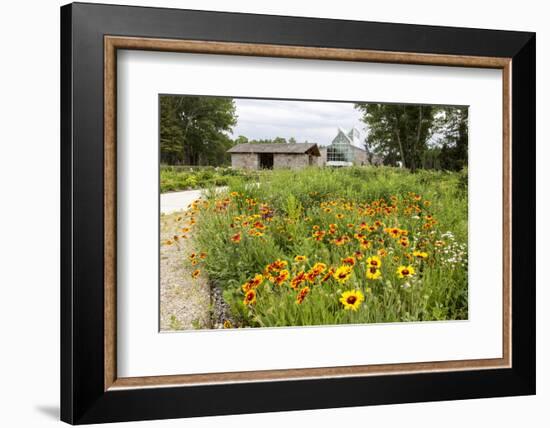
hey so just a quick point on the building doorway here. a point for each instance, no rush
(266, 160)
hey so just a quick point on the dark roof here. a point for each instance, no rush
(295, 149)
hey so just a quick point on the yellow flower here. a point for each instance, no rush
(227, 324)
(374, 261)
(250, 298)
(394, 232)
(352, 299)
(300, 258)
(196, 273)
(373, 272)
(420, 254)
(382, 252)
(342, 274)
(405, 271)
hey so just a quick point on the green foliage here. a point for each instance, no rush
(174, 178)
(452, 126)
(289, 203)
(175, 324)
(418, 136)
(194, 129)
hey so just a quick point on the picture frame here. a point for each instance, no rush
(91, 391)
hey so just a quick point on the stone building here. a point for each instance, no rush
(278, 155)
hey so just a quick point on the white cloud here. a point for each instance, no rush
(314, 121)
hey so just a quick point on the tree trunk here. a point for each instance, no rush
(400, 148)
(417, 142)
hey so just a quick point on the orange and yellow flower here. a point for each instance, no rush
(253, 283)
(249, 297)
(350, 261)
(302, 295)
(298, 280)
(280, 277)
(394, 232)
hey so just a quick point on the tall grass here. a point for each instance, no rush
(174, 178)
(247, 228)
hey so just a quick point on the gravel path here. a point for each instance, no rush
(184, 301)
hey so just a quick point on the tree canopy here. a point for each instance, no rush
(417, 136)
(194, 130)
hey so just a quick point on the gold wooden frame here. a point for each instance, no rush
(113, 43)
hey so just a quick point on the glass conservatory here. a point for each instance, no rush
(341, 151)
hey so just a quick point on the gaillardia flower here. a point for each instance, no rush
(405, 271)
(373, 272)
(420, 254)
(302, 295)
(342, 274)
(352, 299)
(374, 261)
(249, 297)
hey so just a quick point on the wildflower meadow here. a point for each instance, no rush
(322, 246)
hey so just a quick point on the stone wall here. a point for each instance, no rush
(360, 157)
(322, 160)
(283, 160)
(245, 161)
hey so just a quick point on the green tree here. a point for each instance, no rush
(276, 140)
(194, 130)
(451, 128)
(398, 132)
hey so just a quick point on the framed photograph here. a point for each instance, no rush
(265, 213)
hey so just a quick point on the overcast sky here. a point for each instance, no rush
(314, 121)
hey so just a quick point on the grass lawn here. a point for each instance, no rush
(333, 246)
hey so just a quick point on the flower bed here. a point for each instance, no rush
(323, 246)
